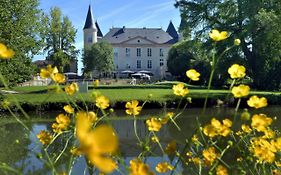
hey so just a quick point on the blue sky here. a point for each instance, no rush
(115, 13)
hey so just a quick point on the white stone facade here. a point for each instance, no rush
(150, 57)
(135, 49)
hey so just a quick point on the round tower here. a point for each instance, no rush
(90, 30)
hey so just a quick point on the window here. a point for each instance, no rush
(115, 51)
(161, 62)
(149, 52)
(149, 64)
(90, 39)
(161, 52)
(138, 64)
(128, 52)
(138, 52)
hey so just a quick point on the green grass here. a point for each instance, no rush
(39, 95)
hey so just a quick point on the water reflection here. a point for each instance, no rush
(20, 149)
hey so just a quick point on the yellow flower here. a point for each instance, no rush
(5, 103)
(58, 78)
(261, 122)
(96, 83)
(154, 139)
(91, 116)
(210, 155)
(240, 91)
(221, 170)
(97, 144)
(171, 147)
(275, 172)
(196, 160)
(49, 72)
(257, 102)
(167, 117)
(75, 151)
(277, 144)
(237, 71)
(153, 124)
(218, 36)
(69, 109)
(133, 108)
(137, 167)
(193, 74)
(263, 150)
(195, 139)
(163, 167)
(216, 128)
(71, 89)
(180, 90)
(62, 123)
(6, 53)
(102, 102)
(45, 137)
(246, 128)
(237, 42)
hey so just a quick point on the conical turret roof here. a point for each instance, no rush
(89, 24)
(172, 31)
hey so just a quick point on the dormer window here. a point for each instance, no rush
(138, 41)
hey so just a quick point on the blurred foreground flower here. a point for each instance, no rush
(218, 36)
(97, 144)
(193, 74)
(180, 90)
(257, 102)
(133, 108)
(6, 53)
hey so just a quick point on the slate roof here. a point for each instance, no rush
(89, 20)
(172, 32)
(155, 35)
(99, 34)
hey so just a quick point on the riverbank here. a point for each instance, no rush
(41, 98)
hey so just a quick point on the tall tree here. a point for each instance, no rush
(256, 22)
(20, 28)
(98, 57)
(60, 39)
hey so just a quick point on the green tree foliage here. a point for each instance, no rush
(60, 39)
(20, 28)
(257, 23)
(98, 57)
(179, 59)
(191, 54)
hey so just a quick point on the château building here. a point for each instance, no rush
(135, 49)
